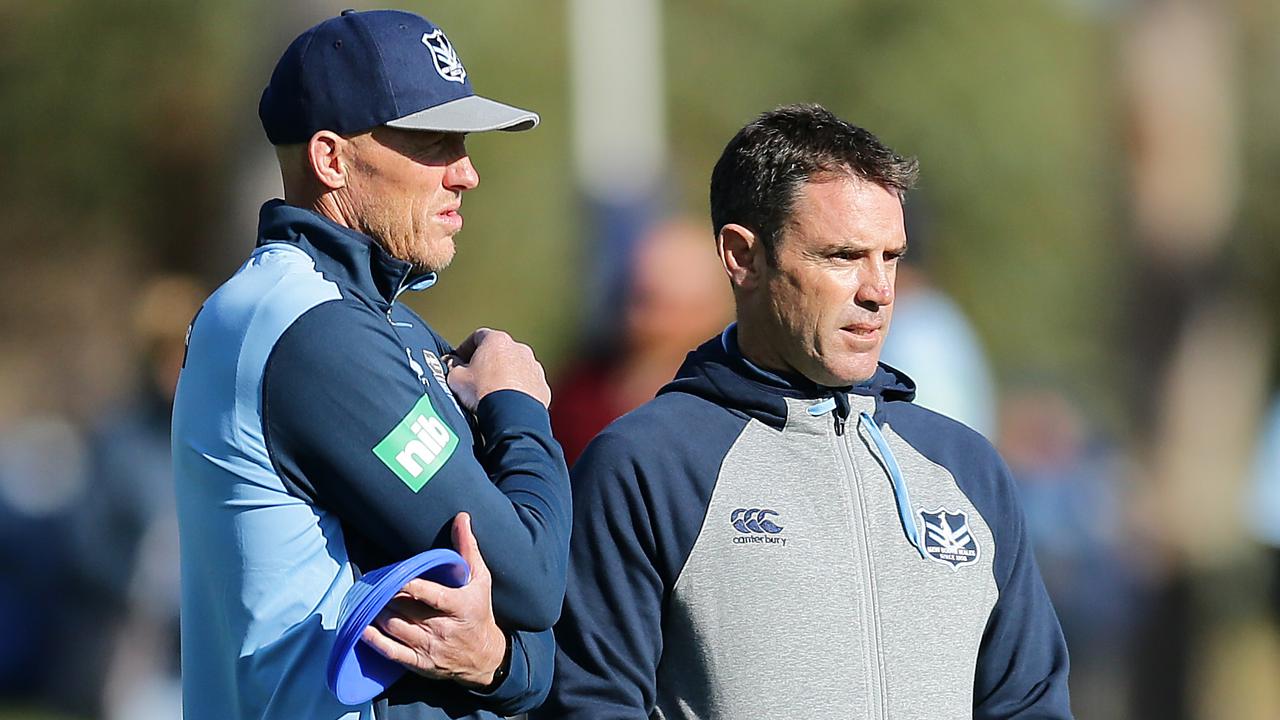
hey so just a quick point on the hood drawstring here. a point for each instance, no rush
(839, 403)
(895, 476)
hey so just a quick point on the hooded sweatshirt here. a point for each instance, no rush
(750, 544)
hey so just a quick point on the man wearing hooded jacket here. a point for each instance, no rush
(781, 532)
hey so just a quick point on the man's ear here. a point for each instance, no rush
(326, 158)
(742, 254)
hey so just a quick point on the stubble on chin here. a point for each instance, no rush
(401, 241)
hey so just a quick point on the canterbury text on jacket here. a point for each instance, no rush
(314, 437)
(747, 545)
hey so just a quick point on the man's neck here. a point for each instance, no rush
(755, 347)
(327, 205)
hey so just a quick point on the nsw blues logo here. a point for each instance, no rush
(947, 538)
(448, 64)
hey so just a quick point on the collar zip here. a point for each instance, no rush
(837, 405)
(841, 413)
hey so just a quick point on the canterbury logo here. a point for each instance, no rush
(754, 520)
(447, 62)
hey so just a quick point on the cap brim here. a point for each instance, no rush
(468, 115)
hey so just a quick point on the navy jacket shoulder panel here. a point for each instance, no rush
(1022, 664)
(668, 472)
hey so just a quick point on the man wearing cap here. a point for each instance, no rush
(322, 429)
(781, 532)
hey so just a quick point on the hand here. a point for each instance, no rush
(444, 633)
(488, 361)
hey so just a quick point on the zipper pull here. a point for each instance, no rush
(841, 413)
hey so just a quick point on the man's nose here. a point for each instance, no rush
(461, 175)
(876, 285)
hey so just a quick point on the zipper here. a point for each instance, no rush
(871, 619)
(421, 282)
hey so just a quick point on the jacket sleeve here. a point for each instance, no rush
(1022, 662)
(529, 677)
(609, 638)
(350, 425)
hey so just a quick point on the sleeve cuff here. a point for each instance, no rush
(506, 409)
(513, 688)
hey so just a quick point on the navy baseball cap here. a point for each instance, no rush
(360, 70)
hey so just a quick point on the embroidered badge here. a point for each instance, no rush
(437, 371)
(755, 526)
(947, 538)
(447, 62)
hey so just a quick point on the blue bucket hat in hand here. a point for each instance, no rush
(360, 70)
(357, 673)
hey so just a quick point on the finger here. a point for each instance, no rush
(402, 629)
(457, 376)
(390, 648)
(464, 541)
(468, 347)
(434, 595)
(410, 609)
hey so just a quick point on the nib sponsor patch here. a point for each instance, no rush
(417, 446)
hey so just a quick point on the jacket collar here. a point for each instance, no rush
(719, 372)
(343, 255)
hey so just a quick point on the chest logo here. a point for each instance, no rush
(947, 538)
(755, 526)
(437, 371)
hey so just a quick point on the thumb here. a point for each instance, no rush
(468, 347)
(464, 541)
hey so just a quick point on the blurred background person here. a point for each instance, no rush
(1073, 484)
(126, 528)
(676, 296)
(43, 483)
(1263, 507)
(933, 341)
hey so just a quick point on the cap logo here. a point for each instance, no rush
(447, 62)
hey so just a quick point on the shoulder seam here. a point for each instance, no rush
(290, 484)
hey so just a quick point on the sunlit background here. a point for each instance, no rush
(1094, 283)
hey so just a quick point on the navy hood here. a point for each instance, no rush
(718, 372)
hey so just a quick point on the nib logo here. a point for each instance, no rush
(417, 446)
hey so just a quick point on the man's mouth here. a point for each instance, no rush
(863, 329)
(451, 217)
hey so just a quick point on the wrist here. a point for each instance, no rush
(499, 666)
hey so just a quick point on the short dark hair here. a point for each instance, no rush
(762, 169)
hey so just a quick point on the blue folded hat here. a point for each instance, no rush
(357, 673)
